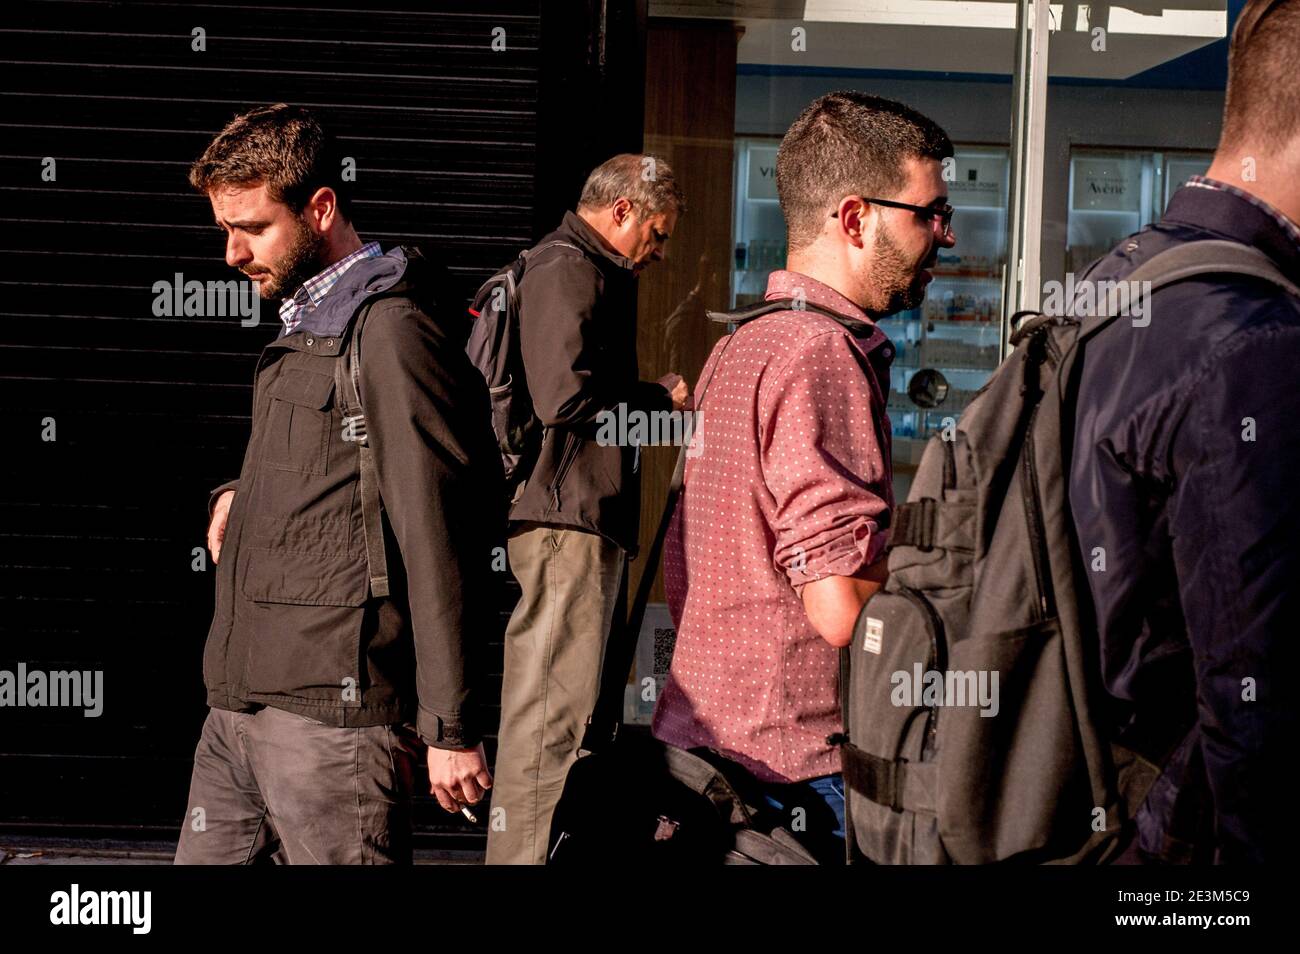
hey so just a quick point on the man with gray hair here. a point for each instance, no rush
(575, 518)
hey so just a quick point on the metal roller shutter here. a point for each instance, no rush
(97, 526)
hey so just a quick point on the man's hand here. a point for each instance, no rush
(458, 776)
(217, 526)
(678, 390)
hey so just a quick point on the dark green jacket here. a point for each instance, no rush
(295, 626)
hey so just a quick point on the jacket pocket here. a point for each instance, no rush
(304, 613)
(308, 579)
(298, 422)
(572, 445)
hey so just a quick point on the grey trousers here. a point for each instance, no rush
(554, 650)
(274, 786)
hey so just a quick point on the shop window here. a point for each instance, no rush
(1115, 193)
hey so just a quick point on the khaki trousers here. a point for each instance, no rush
(554, 651)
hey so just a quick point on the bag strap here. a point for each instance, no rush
(526, 257)
(1175, 264)
(1192, 260)
(742, 316)
(347, 388)
(529, 254)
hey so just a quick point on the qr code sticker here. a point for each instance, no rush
(665, 640)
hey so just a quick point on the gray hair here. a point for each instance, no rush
(644, 180)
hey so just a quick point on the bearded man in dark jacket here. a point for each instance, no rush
(347, 636)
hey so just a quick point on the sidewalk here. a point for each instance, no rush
(70, 851)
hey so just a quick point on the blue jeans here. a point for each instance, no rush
(819, 827)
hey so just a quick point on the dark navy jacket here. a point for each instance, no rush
(1186, 471)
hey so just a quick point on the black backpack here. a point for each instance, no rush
(643, 802)
(493, 348)
(986, 580)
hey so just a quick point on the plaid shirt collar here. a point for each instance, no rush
(1290, 228)
(309, 294)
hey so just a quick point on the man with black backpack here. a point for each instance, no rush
(354, 585)
(1183, 484)
(575, 515)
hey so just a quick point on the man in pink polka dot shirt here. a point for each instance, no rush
(779, 538)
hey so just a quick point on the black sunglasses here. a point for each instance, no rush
(927, 212)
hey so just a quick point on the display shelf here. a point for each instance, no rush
(908, 450)
(959, 323)
(955, 368)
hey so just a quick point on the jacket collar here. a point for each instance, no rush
(589, 240)
(363, 280)
(1234, 218)
(310, 292)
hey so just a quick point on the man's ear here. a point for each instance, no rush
(322, 210)
(622, 211)
(854, 219)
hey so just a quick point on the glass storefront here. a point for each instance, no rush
(784, 64)
(1067, 139)
(1113, 194)
(957, 329)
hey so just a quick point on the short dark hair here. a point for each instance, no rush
(285, 147)
(848, 143)
(1262, 102)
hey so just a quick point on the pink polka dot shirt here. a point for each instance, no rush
(792, 484)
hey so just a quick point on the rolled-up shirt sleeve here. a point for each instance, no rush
(823, 463)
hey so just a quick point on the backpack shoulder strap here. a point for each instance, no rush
(740, 316)
(1192, 260)
(529, 254)
(347, 390)
(527, 258)
(745, 315)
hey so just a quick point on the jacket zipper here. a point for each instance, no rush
(1034, 518)
(566, 460)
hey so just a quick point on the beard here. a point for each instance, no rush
(896, 279)
(302, 260)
